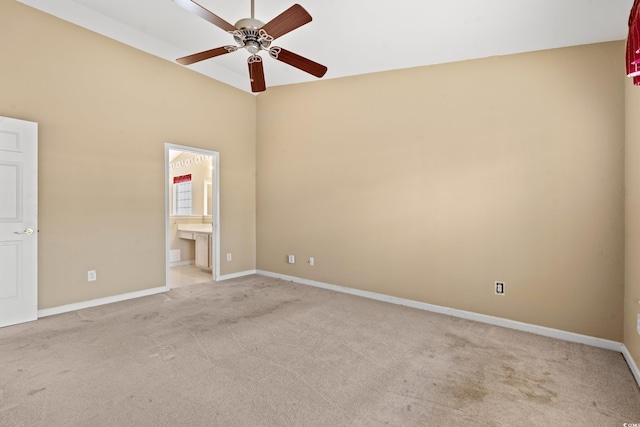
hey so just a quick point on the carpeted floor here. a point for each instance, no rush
(263, 352)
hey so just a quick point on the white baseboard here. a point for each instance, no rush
(123, 297)
(483, 318)
(236, 275)
(181, 263)
(99, 301)
(631, 363)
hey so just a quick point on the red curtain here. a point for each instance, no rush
(183, 178)
(633, 44)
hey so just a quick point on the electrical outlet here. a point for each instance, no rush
(229, 258)
(499, 288)
(91, 276)
(312, 261)
(292, 259)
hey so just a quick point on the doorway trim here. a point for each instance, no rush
(215, 235)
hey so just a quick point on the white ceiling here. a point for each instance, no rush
(352, 37)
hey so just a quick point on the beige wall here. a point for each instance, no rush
(632, 205)
(105, 111)
(432, 183)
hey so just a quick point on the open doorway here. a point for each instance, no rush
(192, 215)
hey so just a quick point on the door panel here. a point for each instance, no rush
(10, 175)
(18, 221)
(10, 256)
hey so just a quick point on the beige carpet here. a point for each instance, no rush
(264, 352)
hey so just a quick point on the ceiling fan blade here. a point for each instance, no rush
(201, 56)
(298, 61)
(292, 18)
(194, 7)
(256, 74)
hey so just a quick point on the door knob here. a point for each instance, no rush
(27, 231)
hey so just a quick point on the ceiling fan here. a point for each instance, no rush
(254, 36)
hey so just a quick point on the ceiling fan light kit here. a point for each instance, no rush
(254, 36)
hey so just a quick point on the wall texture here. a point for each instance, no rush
(105, 111)
(432, 183)
(632, 206)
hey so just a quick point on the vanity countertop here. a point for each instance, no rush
(196, 228)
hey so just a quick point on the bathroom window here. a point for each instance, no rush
(182, 200)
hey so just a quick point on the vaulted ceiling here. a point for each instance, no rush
(352, 37)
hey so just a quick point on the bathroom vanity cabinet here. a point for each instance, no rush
(201, 235)
(203, 250)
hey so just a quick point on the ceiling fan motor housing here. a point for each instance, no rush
(248, 35)
(249, 23)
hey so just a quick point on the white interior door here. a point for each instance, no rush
(18, 221)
